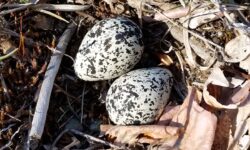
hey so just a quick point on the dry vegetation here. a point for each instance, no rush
(205, 44)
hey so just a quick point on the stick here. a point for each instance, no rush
(5, 88)
(87, 136)
(7, 146)
(189, 31)
(39, 118)
(56, 7)
(8, 55)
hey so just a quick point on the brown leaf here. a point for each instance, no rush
(225, 92)
(223, 130)
(188, 123)
(228, 91)
(142, 134)
(7, 46)
(232, 126)
(240, 124)
(199, 124)
(168, 115)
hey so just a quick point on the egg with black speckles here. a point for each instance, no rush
(109, 49)
(139, 96)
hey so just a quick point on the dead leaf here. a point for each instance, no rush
(7, 46)
(138, 4)
(203, 15)
(172, 12)
(233, 126)
(245, 64)
(199, 14)
(231, 93)
(110, 3)
(241, 124)
(168, 115)
(199, 124)
(198, 47)
(225, 92)
(189, 123)
(122, 135)
(237, 49)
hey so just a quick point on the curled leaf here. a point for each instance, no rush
(188, 123)
(225, 92)
(233, 125)
(198, 126)
(121, 135)
(202, 16)
(237, 49)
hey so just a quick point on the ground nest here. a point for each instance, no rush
(191, 50)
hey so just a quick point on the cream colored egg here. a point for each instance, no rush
(111, 48)
(139, 97)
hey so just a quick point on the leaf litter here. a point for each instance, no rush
(204, 43)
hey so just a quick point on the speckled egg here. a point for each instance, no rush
(111, 48)
(139, 96)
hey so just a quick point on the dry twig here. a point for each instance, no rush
(6, 146)
(46, 88)
(8, 55)
(5, 89)
(183, 28)
(59, 7)
(92, 138)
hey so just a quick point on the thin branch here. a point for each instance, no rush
(39, 118)
(28, 41)
(12, 117)
(52, 15)
(5, 88)
(70, 106)
(8, 55)
(87, 136)
(65, 92)
(57, 7)
(183, 28)
(12, 137)
(7, 128)
(82, 102)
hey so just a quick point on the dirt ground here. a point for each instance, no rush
(80, 105)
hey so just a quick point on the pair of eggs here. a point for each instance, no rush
(110, 50)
